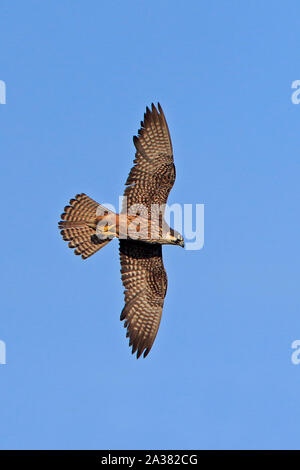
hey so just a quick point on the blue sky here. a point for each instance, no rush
(78, 76)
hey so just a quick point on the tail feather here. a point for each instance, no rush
(78, 226)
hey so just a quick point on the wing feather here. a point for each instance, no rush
(145, 282)
(153, 174)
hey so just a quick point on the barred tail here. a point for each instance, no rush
(79, 224)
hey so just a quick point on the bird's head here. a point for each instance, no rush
(175, 238)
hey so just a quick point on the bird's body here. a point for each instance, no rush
(140, 227)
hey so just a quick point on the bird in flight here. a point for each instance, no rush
(140, 227)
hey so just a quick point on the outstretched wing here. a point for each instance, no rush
(145, 282)
(153, 173)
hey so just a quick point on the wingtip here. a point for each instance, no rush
(138, 354)
(146, 352)
(153, 108)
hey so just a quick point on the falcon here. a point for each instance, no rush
(140, 227)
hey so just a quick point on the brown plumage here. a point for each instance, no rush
(145, 282)
(78, 226)
(88, 227)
